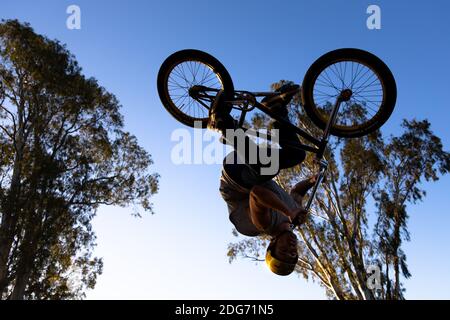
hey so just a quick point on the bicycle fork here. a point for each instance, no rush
(323, 164)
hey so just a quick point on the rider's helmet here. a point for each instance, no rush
(277, 266)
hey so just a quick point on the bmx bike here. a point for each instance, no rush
(346, 92)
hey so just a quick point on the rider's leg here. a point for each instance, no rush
(299, 191)
(291, 153)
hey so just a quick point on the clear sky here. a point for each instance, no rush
(180, 252)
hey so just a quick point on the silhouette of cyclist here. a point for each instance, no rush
(256, 203)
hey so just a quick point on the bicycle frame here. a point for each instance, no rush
(319, 144)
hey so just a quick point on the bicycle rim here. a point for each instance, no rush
(368, 93)
(184, 75)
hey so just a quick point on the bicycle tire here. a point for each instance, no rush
(367, 59)
(189, 55)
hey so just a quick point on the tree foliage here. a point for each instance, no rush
(63, 153)
(359, 217)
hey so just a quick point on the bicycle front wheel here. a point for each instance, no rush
(370, 81)
(182, 71)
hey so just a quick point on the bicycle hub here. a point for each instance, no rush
(346, 94)
(193, 91)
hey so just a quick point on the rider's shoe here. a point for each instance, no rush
(280, 110)
(221, 122)
(288, 87)
(218, 119)
(279, 106)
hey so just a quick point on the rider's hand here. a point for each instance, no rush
(298, 216)
(314, 178)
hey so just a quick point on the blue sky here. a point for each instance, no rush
(180, 252)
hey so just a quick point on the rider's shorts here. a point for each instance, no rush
(237, 199)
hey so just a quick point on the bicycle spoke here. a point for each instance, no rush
(331, 82)
(208, 78)
(179, 74)
(206, 74)
(194, 73)
(364, 104)
(357, 80)
(376, 90)
(198, 68)
(328, 82)
(358, 89)
(367, 92)
(345, 68)
(192, 64)
(324, 93)
(183, 74)
(337, 75)
(342, 75)
(183, 99)
(181, 96)
(212, 79)
(364, 83)
(176, 83)
(203, 75)
(189, 65)
(358, 71)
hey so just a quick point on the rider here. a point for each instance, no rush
(257, 204)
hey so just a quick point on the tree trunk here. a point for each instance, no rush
(10, 209)
(397, 279)
(8, 223)
(396, 245)
(25, 264)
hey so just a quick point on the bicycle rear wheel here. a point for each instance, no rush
(372, 84)
(183, 70)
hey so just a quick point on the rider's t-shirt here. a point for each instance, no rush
(235, 184)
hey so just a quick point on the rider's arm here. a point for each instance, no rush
(264, 197)
(300, 189)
